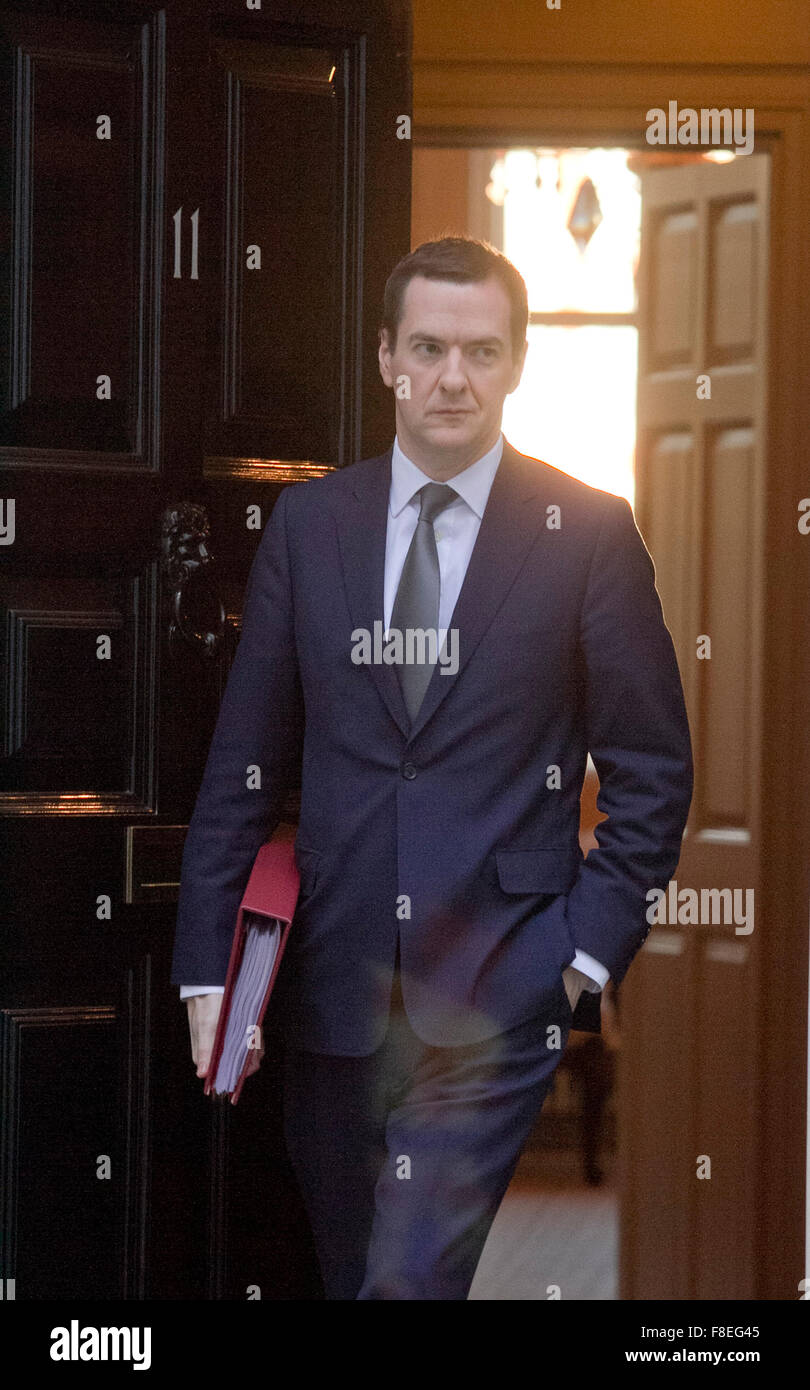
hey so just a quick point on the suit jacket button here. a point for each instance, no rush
(409, 771)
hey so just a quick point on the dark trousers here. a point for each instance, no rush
(403, 1156)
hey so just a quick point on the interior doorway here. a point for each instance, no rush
(646, 376)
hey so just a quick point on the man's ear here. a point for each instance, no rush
(384, 358)
(517, 370)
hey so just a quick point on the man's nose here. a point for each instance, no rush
(453, 377)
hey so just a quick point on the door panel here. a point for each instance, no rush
(81, 216)
(275, 383)
(137, 508)
(690, 1207)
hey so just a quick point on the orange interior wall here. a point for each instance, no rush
(439, 195)
(629, 31)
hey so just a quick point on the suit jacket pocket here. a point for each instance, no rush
(537, 870)
(307, 861)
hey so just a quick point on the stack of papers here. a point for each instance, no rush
(242, 1032)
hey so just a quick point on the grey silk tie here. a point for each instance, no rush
(417, 599)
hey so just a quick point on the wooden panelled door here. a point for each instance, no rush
(691, 1082)
(201, 202)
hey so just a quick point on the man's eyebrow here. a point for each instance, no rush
(493, 340)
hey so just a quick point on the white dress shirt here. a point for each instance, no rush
(455, 529)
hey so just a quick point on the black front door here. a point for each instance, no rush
(200, 204)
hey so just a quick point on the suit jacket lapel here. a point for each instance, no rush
(362, 528)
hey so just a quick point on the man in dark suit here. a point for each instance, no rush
(437, 637)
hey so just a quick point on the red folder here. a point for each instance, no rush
(271, 891)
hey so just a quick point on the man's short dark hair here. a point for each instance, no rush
(461, 259)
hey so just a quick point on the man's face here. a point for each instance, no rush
(454, 347)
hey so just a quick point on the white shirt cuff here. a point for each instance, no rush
(596, 972)
(188, 991)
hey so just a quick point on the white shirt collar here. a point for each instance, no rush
(473, 483)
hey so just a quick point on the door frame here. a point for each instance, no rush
(592, 104)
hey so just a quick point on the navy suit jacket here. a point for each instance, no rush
(461, 832)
